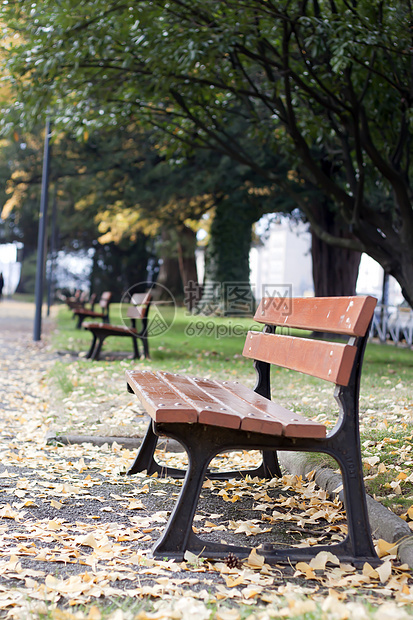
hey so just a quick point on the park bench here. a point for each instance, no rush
(209, 417)
(84, 313)
(137, 310)
(84, 300)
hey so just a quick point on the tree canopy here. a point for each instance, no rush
(324, 84)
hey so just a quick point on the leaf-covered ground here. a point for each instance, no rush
(76, 531)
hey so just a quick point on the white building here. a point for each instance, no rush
(282, 263)
(9, 267)
(284, 260)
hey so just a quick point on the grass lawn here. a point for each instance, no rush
(212, 347)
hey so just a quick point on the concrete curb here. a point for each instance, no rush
(383, 522)
(131, 443)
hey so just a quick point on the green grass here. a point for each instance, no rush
(146, 609)
(59, 375)
(24, 297)
(191, 344)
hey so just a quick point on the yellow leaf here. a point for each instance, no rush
(255, 560)
(232, 583)
(28, 502)
(371, 461)
(299, 608)
(401, 476)
(410, 513)
(56, 504)
(94, 613)
(228, 614)
(384, 548)
(8, 513)
(384, 571)
(88, 541)
(321, 559)
(136, 505)
(251, 591)
(51, 582)
(369, 571)
(191, 557)
(303, 567)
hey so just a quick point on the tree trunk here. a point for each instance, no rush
(226, 287)
(335, 270)
(187, 244)
(169, 271)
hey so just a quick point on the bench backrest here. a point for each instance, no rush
(332, 361)
(139, 305)
(104, 300)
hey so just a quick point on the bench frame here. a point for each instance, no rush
(139, 309)
(203, 442)
(84, 313)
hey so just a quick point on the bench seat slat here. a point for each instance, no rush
(325, 360)
(216, 403)
(341, 315)
(210, 411)
(247, 412)
(112, 329)
(159, 399)
(294, 424)
(91, 313)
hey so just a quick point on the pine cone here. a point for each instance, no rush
(232, 561)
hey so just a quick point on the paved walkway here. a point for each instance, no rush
(18, 317)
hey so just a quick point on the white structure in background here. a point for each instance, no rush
(284, 259)
(370, 282)
(72, 269)
(9, 267)
(282, 264)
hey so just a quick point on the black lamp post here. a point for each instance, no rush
(41, 239)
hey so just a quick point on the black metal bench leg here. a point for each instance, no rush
(145, 347)
(174, 540)
(270, 467)
(92, 347)
(143, 334)
(80, 319)
(345, 448)
(362, 547)
(98, 348)
(136, 354)
(145, 461)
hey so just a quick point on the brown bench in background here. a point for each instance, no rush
(209, 417)
(84, 313)
(81, 301)
(138, 310)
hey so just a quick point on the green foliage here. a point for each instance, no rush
(324, 88)
(28, 274)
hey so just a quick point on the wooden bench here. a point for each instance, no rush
(84, 313)
(137, 310)
(83, 301)
(209, 417)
